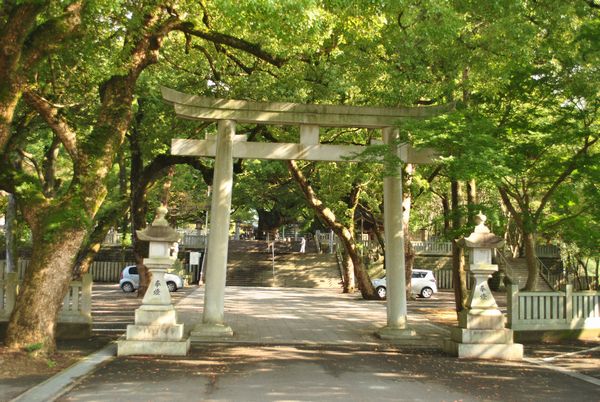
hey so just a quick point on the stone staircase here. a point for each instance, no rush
(250, 263)
(517, 268)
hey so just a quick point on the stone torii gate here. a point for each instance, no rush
(227, 146)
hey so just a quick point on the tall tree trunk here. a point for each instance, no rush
(526, 223)
(269, 223)
(347, 273)
(531, 258)
(138, 206)
(166, 190)
(347, 239)
(123, 194)
(447, 213)
(106, 220)
(348, 265)
(10, 229)
(46, 282)
(458, 259)
(471, 202)
(409, 252)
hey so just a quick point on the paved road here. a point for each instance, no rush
(318, 345)
(334, 373)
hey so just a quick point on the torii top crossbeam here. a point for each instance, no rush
(284, 113)
(308, 117)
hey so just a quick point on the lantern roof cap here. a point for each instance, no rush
(159, 230)
(481, 236)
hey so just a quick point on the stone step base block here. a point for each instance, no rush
(155, 317)
(482, 336)
(127, 347)
(203, 332)
(513, 351)
(482, 319)
(155, 332)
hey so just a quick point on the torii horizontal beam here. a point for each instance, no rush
(291, 151)
(203, 108)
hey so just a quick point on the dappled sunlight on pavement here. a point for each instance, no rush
(305, 316)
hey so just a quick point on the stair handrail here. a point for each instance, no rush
(552, 279)
(508, 272)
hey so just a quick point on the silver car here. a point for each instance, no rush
(130, 280)
(422, 283)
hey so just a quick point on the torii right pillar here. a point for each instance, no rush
(481, 332)
(396, 327)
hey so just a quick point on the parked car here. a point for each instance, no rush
(422, 283)
(130, 280)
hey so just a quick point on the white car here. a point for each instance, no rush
(130, 280)
(422, 283)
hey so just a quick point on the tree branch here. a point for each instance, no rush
(571, 166)
(29, 157)
(16, 26)
(51, 183)
(57, 123)
(430, 178)
(211, 63)
(509, 205)
(231, 41)
(154, 170)
(52, 34)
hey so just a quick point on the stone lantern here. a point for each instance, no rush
(481, 331)
(156, 331)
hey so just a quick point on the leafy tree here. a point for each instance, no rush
(84, 99)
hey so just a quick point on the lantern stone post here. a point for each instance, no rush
(156, 331)
(481, 332)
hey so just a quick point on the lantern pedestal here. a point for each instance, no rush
(481, 332)
(156, 331)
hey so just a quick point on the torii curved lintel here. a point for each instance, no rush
(284, 113)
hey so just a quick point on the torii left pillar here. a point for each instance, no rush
(213, 318)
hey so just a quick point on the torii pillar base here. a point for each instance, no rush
(391, 334)
(203, 332)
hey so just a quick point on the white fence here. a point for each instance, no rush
(547, 250)
(553, 310)
(432, 247)
(77, 304)
(444, 279)
(76, 307)
(113, 238)
(108, 271)
(190, 238)
(101, 271)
